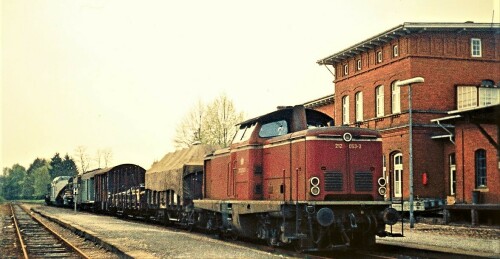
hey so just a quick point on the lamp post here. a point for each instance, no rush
(409, 82)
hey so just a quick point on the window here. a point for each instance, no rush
(453, 175)
(489, 96)
(480, 162)
(398, 174)
(475, 47)
(345, 110)
(379, 101)
(359, 106)
(466, 97)
(472, 96)
(379, 56)
(384, 167)
(273, 129)
(395, 51)
(244, 133)
(346, 70)
(358, 64)
(396, 98)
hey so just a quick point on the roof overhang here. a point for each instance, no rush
(329, 99)
(403, 30)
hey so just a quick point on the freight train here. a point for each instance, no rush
(288, 178)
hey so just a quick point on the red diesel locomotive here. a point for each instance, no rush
(290, 178)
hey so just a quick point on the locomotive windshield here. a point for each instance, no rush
(273, 129)
(317, 119)
(244, 133)
(283, 121)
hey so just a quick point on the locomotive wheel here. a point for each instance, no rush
(363, 240)
(297, 246)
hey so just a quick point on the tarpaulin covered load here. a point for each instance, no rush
(168, 173)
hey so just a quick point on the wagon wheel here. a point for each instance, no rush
(190, 222)
(190, 227)
(229, 235)
(297, 246)
(233, 236)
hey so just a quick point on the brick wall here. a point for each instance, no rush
(468, 140)
(444, 60)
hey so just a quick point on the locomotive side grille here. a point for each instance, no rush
(333, 181)
(363, 181)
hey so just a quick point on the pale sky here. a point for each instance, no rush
(122, 74)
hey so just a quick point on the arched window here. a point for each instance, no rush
(480, 167)
(359, 106)
(345, 110)
(396, 99)
(398, 174)
(379, 101)
(453, 174)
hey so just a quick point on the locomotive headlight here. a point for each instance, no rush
(347, 137)
(382, 181)
(315, 190)
(382, 190)
(314, 181)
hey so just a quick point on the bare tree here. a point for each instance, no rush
(107, 155)
(191, 128)
(98, 157)
(211, 124)
(82, 158)
(222, 118)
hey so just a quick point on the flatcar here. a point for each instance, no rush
(174, 182)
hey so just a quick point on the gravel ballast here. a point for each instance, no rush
(139, 240)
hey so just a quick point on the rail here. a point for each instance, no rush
(64, 248)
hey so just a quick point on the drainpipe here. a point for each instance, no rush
(463, 168)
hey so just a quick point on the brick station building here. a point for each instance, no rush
(450, 57)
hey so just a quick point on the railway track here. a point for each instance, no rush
(37, 240)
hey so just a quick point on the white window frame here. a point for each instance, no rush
(345, 110)
(358, 64)
(489, 96)
(379, 101)
(453, 174)
(480, 168)
(346, 69)
(379, 57)
(396, 98)
(466, 97)
(475, 47)
(398, 174)
(359, 106)
(395, 51)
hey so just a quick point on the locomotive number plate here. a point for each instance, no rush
(355, 146)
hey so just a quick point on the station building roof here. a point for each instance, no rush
(403, 30)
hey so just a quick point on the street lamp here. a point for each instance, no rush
(409, 82)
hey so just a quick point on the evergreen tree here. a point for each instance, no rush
(69, 166)
(57, 167)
